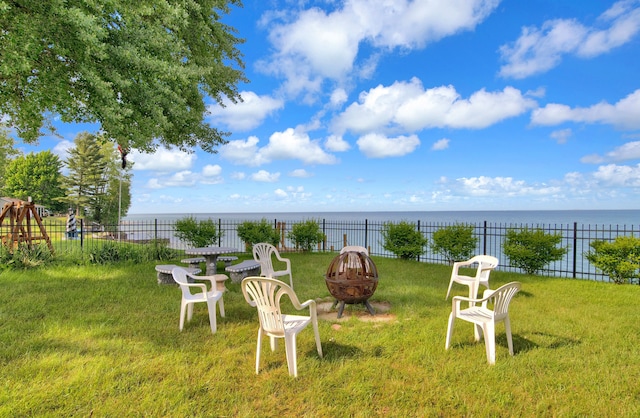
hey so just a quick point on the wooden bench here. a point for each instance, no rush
(165, 276)
(244, 269)
(194, 262)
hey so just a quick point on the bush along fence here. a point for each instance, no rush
(490, 238)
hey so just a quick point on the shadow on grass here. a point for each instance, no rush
(522, 344)
(538, 340)
(335, 352)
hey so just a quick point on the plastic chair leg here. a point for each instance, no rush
(490, 343)
(292, 360)
(447, 343)
(211, 305)
(183, 314)
(259, 346)
(507, 326)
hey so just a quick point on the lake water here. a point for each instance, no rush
(591, 224)
(550, 217)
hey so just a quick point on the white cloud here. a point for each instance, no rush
(245, 115)
(315, 44)
(625, 114)
(238, 175)
(211, 170)
(280, 193)
(336, 144)
(561, 135)
(211, 174)
(265, 176)
(380, 146)
(300, 173)
(338, 97)
(61, 149)
(290, 144)
(242, 151)
(628, 151)
(183, 178)
(408, 107)
(170, 199)
(618, 175)
(163, 160)
(502, 186)
(440, 144)
(538, 50)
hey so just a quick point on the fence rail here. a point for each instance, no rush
(575, 237)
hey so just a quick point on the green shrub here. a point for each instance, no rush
(25, 257)
(197, 233)
(620, 260)
(253, 232)
(306, 235)
(109, 252)
(113, 252)
(403, 240)
(532, 249)
(455, 242)
(159, 250)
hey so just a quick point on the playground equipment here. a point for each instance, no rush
(20, 216)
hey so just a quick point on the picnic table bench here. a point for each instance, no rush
(244, 269)
(165, 276)
(194, 262)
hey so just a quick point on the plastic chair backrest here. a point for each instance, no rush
(265, 294)
(262, 253)
(486, 263)
(180, 276)
(501, 297)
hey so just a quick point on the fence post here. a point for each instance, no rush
(219, 232)
(575, 248)
(484, 238)
(155, 229)
(420, 232)
(324, 233)
(81, 234)
(366, 233)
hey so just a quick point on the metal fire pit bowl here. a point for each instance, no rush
(352, 277)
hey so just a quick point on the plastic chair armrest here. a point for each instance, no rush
(210, 279)
(202, 286)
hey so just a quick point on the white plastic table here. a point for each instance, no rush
(210, 255)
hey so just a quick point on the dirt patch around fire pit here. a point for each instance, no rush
(327, 312)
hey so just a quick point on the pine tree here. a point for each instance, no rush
(87, 168)
(97, 185)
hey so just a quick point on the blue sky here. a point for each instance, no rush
(426, 105)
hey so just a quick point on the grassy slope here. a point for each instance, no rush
(104, 341)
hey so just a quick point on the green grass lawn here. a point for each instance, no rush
(104, 341)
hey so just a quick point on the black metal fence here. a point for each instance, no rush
(575, 237)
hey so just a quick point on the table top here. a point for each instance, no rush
(210, 250)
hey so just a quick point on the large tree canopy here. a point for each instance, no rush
(140, 68)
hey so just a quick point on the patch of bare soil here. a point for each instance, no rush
(327, 312)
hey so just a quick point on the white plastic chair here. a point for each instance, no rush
(355, 248)
(265, 294)
(485, 263)
(485, 319)
(262, 253)
(211, 296)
